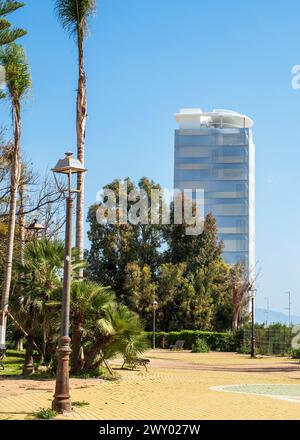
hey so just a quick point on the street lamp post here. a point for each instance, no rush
(289, 307)
(154, 306)
(253, 323)
(267, 311)
(62, 402)
(36, 228)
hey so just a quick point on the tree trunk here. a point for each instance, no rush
(28, 367)
(14, 184)
(81, 119)
(235, 321)
(76, 357)
(92, 357)
(19, 344)
(44, 344)
(235, 310)
(22, 229)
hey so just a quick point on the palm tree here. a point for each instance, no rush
(74, 16)
(8, 35)
(121, 333)
(27, 314)
(90, 303)
(18, 83)
(41, 279)
(129, 339)
(240, 284)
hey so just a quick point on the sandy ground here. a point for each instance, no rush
(178, 385)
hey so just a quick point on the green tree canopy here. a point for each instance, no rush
(18, 77)
(142, 262)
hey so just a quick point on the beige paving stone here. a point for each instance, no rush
(177, 386)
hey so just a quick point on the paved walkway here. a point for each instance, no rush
(179, 385)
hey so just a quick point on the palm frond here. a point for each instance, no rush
(18, 78)
(8, 6)
(74, 14)
(8, 35)
(105, 327)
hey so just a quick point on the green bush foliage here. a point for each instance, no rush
(200, 346)
(296, 353)
(216, 341)
(80, 403)
(45, 414)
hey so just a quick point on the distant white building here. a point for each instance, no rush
(214, 151)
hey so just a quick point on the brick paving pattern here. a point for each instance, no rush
(178, 386)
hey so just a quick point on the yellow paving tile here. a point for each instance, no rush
(177, 386)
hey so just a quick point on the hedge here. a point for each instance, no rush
(216, 341)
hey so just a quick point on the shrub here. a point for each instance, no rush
(244, 349)
(90, 374)
(45, 414)
(200, 346)
(296, 353)
(80, 403)
(216, 341)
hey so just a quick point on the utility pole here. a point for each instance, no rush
(267, 311)
(289, 307)
(253, 293)
(154, 306)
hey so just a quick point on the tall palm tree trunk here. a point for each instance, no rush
(28, 367)
(44, 343)
(76, 359)
(22, 228)
(81, 130)
(14, 184)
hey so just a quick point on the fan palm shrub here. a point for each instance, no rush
(129, 340)
(41, 288)
(90, 303)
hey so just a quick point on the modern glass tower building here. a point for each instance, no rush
(214, 151)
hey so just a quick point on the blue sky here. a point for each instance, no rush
(147, 59)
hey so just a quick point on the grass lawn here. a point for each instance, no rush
(13, 363)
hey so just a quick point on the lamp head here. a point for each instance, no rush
(69, 165)
(154, 305)
(35, 226)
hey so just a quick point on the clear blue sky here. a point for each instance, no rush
(147, 59)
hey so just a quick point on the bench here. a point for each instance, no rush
(178, 345)
(143, 362)
(2, 357)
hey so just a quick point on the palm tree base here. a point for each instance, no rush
(28, 370)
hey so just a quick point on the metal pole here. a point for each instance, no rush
(253, 328)
(268, 310)
(154, 316)
(62, 400)
(289, 308)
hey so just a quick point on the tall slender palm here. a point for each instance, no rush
(74, 16)
(18, 83)
(7, 34)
